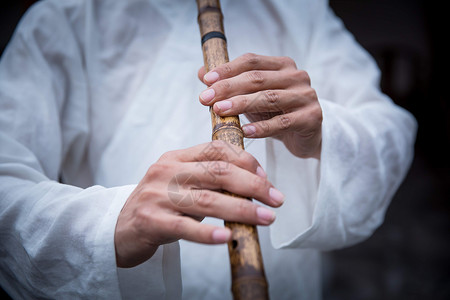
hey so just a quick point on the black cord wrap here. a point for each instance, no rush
(213, 34)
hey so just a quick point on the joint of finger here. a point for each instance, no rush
(243, 208)
(302, 76)
(169, 155)
(206, 200)
(243, 101)
(157, 170)
(311, 94)
(219, 168)
(256, 77)
(258, 184)
(284, 122)
(218, 144)
(247, 161)
(271, 97)
(148, 193)
(315, 116)
(221, 88)
(288, 62)
(264, 126)
(225, 69)
(216, 151)
(251, 59)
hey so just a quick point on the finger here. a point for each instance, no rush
(217, 151)
(247, 82)
(271, 127)
(201, 72)
(219, 175)
(260, 102)
(181, 227)
(304, 122)
(246, 63)
(229, 208)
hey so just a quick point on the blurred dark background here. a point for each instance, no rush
(408, 257)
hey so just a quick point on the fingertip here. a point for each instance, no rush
(266, 216)
(211, 77)
(207, 96)
(216, 109)
(221, 235)
(249, 130)
(222, 106)
(276, 196)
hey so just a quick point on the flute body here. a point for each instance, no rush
(247, 270)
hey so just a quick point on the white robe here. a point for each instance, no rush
(93, 92)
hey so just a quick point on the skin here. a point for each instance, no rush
(274, 95)
(279, 101)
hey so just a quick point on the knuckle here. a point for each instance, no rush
(222, 86)
(302, 76)
(316, 116)
(284, 121)
(169, 156)
(143, 216)
(257, 183)
(311, 94)
(148, 194)
(246, 160)
(219, 168)
(255, 77)
(205, 200)
(271, 97)
(218, 144)
(157, 169)
(244, 101)
(217, 150)
(242, 208)
(251, 59)
(264, 126)
(247, 157)
(225, 69)
(224, 150)
(287, 61)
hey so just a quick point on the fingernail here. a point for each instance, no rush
(276, 196)
(249, 130)
(221, 235)
(223, 105)
(211, 77)
(207, 95)
(260, 172)
(265, 215)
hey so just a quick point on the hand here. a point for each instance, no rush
(275, 96)
(181, 188)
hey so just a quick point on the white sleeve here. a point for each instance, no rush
(56, 240)
(367, 148)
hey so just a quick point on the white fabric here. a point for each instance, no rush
(93, 92)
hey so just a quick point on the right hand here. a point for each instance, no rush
(182, 188)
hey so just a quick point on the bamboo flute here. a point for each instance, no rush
(247, 270)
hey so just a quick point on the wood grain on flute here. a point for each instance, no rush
(247, 270)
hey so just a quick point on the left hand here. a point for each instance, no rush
(274, 95)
